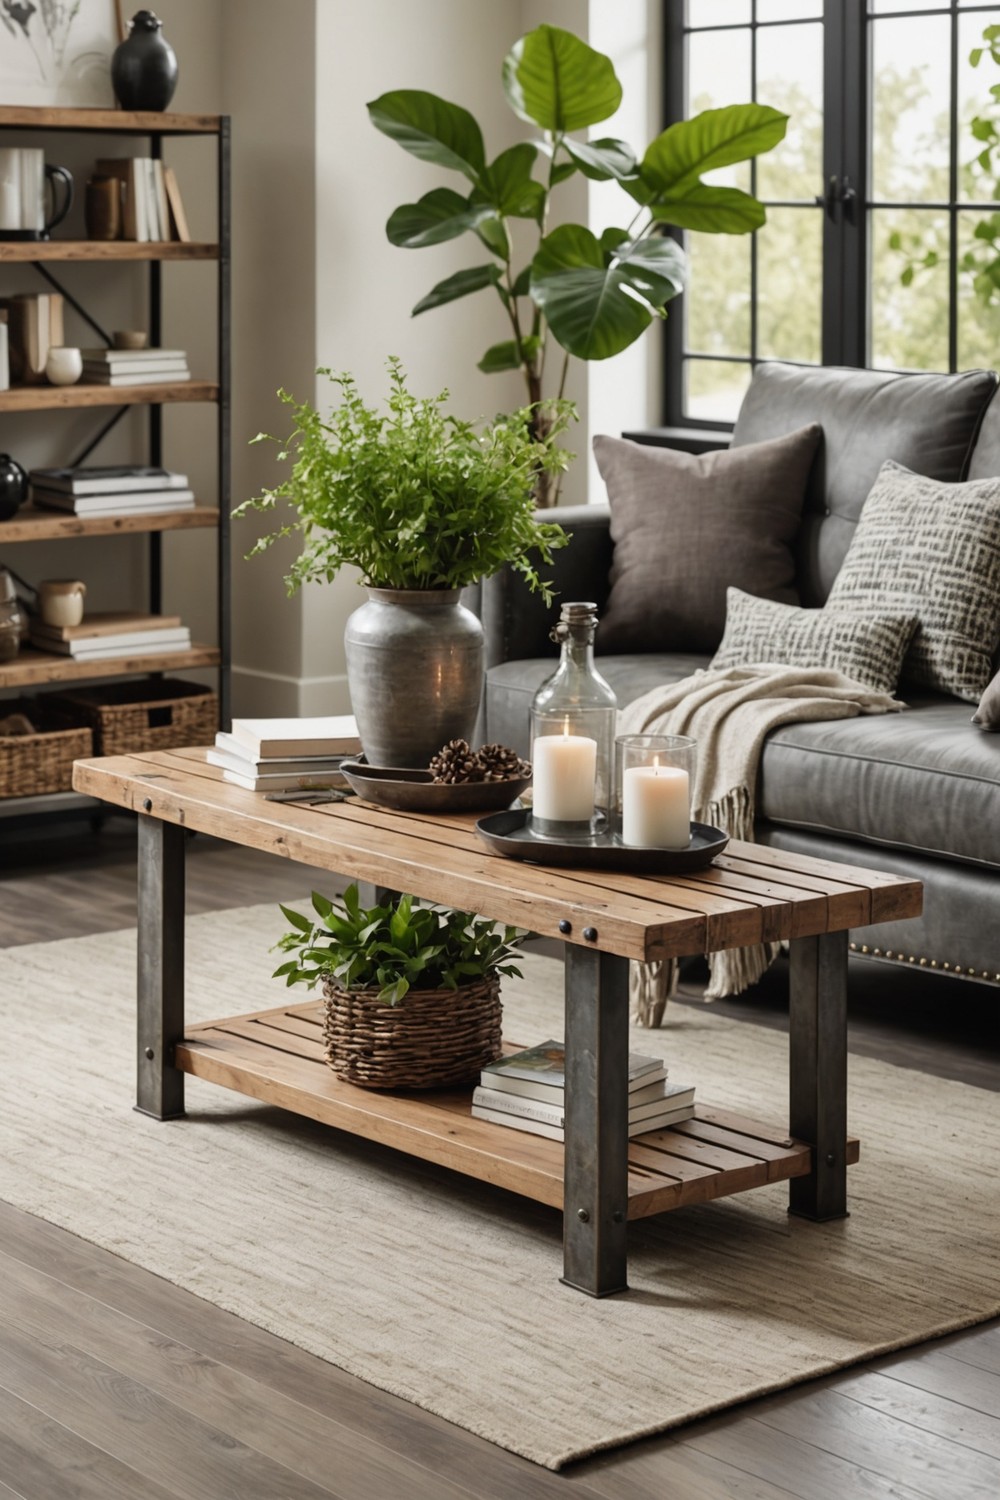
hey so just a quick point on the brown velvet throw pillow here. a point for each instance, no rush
(686, 527)
(987, 715)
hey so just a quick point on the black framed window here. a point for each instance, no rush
(877, 172)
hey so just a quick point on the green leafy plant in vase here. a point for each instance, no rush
(423, 505)
(592, 295)
(411, 994)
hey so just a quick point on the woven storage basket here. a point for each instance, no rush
(127, 717)
(33, 764)
(431, 1039)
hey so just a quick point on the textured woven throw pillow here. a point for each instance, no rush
(930, 549)
(987, 715)
(685, 527)
(868, 647)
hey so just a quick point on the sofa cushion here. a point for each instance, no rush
(860, 643)
(932, 550)
(922, 780)
(685, 526)
(511, 687)
(927, 422)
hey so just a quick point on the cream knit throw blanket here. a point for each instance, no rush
(729, 711)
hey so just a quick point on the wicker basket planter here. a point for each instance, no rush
(128, 717)
(34, 764)
(432, 1039)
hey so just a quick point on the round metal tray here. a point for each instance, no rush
(511, 833)
(417, 791)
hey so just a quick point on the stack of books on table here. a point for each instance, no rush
(282, 757)
(134, 366)
(117, 490)
(527, 1091)
(113, 633)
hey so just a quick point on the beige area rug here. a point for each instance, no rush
(445, 1291)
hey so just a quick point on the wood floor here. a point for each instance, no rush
(115, 1385)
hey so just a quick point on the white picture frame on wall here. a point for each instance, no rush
(57, 52)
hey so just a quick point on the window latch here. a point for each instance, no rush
(839, 195)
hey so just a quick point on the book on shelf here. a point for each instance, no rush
(111, 634)
(114, 505)
(126, 362)
(676, 1103)
(545, 1066)
(265, 739)
(97, 376)
(152, 210)
(558, 1133)
(108, 479)
(34, 325)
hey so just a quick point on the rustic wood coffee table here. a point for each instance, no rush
(600, 1179)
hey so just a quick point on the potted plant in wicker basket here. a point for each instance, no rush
(411, 994)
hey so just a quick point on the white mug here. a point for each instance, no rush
(60, 601)
(24, 176)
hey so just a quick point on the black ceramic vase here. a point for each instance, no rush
(144, 66)
(13, 487)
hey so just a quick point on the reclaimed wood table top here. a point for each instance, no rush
(750, 894)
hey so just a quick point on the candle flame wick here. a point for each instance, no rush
(566, 727)
(656, 764)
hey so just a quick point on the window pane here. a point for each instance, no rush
(884, 7)
(978, 322)
(718, 74)
(974, 183)
(789, 10)
(713, 389)
(789, 285)
(910, 97)
(790, 78)
(718, 12)
(909, 324)
(717, 300)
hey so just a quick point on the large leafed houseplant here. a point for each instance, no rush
(423, 505)
(592, 295)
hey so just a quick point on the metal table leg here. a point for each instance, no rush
(818, 1072)
(160, 1090)
(595, 1192)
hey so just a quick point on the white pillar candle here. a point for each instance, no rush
(564, 770)
(656, 807)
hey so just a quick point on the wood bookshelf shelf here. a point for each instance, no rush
(54, 397)
(32, 524)
(118, 121)
(32, 668)
(26, 251)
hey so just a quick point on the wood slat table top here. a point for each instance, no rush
(750, 894)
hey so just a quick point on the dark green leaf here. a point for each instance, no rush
(598, 303)
(506, 356)
(522, 283)
(458, 285)
(602, 160)
(491, 231)
(561, 171)
(432, 129)
(713, 210)
(322, 905)
(300, 923)
(553, 79)
(441, 214)
(681, 154)
(508, 186)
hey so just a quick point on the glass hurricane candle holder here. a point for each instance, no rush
(653, 789)
(573, 735)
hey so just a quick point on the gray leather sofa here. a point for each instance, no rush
(916, 793)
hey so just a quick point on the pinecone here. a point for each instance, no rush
(456, 762)
(500, 763)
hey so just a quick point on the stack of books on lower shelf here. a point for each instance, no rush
(285, 757)
(134, 366)
(102, 636)
(527, 1091)
(115, 490)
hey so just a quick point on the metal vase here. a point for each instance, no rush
(415, 660)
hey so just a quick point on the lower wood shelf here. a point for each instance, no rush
(52, 397)
(30, 668)
(276, 1056)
